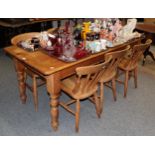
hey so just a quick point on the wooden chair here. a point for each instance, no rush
(110, 73)
(81, 86)
(129, 64)
(36, 79)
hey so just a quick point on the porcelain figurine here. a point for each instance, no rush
(104, 24)
(94, 46)
(103, 44)
(109, 24)
(103, 33)
(110, 36)
(26, 45)
(45, 42)
(86, 29)
(96, 26)
(117, 27)
(126, 33)
(88, 45)
(97, 46)
(109, 44)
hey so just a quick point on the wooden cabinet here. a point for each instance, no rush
(9, 27)
(149, 20)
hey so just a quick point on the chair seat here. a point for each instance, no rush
(69, 85)
(108, 75)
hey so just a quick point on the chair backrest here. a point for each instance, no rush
(88, 77)
(23, 37)
(52, 30)
(55, 30)
(137, 52)
(117, 56)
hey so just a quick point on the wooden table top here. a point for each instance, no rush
(47, 65)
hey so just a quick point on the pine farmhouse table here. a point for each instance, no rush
(52, 70)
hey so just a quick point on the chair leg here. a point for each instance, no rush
(126, 83)
(25, 77)
(114, 88)
(135, 76)
(101, 97)
(77, 116)
(35, 93)
(97, 105)
(117, 74)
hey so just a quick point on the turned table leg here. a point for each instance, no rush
(20, 69)
(53, 87)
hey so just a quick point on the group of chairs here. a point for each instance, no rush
(89, 81)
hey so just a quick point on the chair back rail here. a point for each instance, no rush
(88, 77)
(117, 56)
(137, 52)
(24, 36)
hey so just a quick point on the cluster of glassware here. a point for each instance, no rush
(64, 44)
(73, 43)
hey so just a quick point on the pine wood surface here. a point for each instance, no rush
(47, 65)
